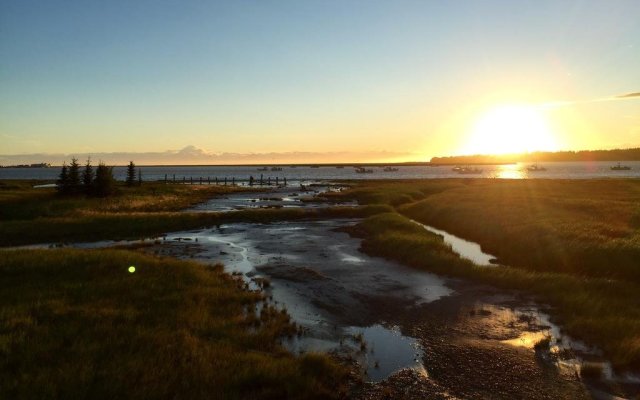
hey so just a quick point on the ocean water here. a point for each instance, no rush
(554, 170)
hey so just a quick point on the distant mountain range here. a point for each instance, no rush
(544, 156)
(191, 155)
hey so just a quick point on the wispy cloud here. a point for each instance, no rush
(563, 103)
(628, 95)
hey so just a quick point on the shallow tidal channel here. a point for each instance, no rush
(343, 300)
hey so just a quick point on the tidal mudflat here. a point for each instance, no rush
(302, 195)
(452, 338)
(412, 333)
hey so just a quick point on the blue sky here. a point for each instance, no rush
(262, 76)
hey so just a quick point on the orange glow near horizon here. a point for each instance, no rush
(510, 129)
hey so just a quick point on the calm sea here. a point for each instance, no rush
(554, 170)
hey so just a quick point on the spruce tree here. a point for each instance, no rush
(104, 184)
(74, 176)
(131, 174)
(63, 180)
(87, 177)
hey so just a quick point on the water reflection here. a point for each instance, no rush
(386, 350)
(466, 249)
(510, 171)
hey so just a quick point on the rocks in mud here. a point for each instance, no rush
(406, 384)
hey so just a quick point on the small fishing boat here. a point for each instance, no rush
(276, 168)
(362, 170)
(390, 169)
(469, 170)
(535, 168)
(457, 168)
(620, 167)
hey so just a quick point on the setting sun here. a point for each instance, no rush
(510, 129)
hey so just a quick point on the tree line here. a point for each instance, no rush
(632, 154)
(99, 182)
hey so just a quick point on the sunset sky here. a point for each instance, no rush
(414, 79)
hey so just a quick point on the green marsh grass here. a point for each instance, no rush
(602, 312)
(32, 216)
(122, 226)
(580, 227)
(20, 201)
(77, 324)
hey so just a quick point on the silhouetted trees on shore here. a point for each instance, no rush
(98, 183)
(632, 154)
(131, 174)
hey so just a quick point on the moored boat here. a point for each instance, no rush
(535, 168)
(620, 167)
(469, 170)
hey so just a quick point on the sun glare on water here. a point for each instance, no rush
(510, 129)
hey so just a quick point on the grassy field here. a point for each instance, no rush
(582, 227)
(20, 201)
(77, 324)
(132, 226)
(589, 228)
(30, 216)
(573, 244)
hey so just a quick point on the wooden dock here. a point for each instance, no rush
(226, 181)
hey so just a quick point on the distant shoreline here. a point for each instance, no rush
(616, 155)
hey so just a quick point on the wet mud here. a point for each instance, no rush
(414, 334)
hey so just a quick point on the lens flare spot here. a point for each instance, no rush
(132, 269)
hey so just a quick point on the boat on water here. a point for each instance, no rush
(276, 168)
(390, 169)
(620, 167)
(362, 170)
(469, 170)
(263, 169)
(535, 168)
(457, 168)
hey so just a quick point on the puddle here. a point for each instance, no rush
(466, 249)
(385, 351)
(571, 357)
(527, 340)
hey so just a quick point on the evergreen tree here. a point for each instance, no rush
(74, 176)
(104, 184)
(63, 180)
(87, 177)
(131, 174)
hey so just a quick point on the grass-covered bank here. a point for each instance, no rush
(602, 312)
(121, 226)
(575, 244)
(589, 228)
(19, 200)
(77, 324)
(582, 227)
(31, 216)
